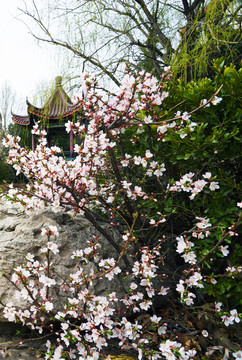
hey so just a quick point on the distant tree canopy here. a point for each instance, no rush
(107, 34)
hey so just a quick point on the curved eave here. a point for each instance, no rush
(20, 120)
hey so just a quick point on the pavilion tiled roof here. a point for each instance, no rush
(58, 105)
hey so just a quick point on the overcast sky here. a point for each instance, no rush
(24, 64)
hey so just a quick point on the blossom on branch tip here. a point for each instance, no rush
(189, 298)
(186, 116)
(155, 319)
(203, 223)
(224, 250)
(227, 320)
(207, 175)
(163, 291)
(195, 280)
(162, 129)
(204, 101)
(30, 257)
(234, 315)
(46, 280)
(148, 154)
(148, 120)
(183, 244)
(162, 330)
(216, 100)
(9, 312)
(214, 186)
(237, 354)
(218, 306)
(48, 306)
(52, 230)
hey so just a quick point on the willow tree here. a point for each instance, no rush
(145, 34)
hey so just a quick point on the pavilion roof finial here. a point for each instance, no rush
(58, 81)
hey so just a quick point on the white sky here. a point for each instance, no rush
(24, 64)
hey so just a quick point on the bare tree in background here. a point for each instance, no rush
(7, 98)
(145, 34)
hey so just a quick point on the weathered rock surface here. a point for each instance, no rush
(21, 234)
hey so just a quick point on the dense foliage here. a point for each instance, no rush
(7, 173)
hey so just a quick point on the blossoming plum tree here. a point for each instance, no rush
(119, 174)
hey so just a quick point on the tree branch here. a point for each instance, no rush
(219, 242)
(108, 236)
(68, 46)
(195, 4)
(186, 8)
(163, 38)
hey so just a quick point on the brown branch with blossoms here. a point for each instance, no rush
(177, 117)
(125, 248)
(23, 282)
(132, 208)
(228, 233)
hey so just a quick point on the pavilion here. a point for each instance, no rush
(57, 110)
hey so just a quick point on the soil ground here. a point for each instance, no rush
(13, 347)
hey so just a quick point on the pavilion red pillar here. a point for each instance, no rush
(33, 142)
(71, 144)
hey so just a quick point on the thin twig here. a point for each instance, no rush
(18, 343)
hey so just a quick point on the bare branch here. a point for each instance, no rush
(195, 4)
(68, 46)
(136, 32)
(186, 7)
(163, 38)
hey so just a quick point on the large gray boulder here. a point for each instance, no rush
(21, 234)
